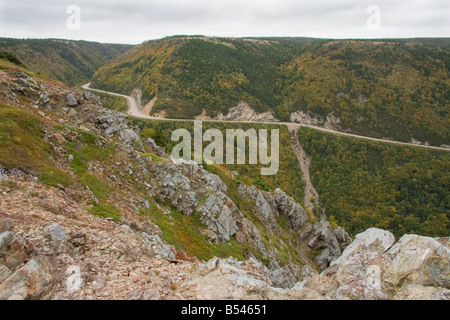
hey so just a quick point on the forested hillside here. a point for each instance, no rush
(397, 89)
(72, 62)
(365, 184)
(382, 89)
(189, 74)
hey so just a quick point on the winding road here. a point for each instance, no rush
(133, 110)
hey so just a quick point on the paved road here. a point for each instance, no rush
(133, 110)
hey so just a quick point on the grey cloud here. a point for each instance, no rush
(134, 21)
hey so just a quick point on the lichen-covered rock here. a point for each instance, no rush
(14, 250)
(418, 260)
(29, 282)
(161, 250)
(418, 292)
(367, 245)
(72, 100)
(55, 232)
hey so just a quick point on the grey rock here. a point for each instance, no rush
(29, 282)
(283, 278)
(161, 250)
(55, 232)
(72, 113)
(323, 238)
(92, 97)
(270, 205)
(13, 249)
(72, 100)
(342, 236)
(146, 204)
(369, 244)
(128, 135)
(46, 98)
(160, 151)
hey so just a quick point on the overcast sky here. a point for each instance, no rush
(134, 21)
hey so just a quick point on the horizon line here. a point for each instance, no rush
(230, 37)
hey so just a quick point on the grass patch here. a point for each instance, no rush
(185, 233)
(106, 210)
(54, 177)
(153, 156)
(99, 188)
(21, 140)
(22, 146)
(85, 150)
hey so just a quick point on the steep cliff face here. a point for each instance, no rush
(90, 210)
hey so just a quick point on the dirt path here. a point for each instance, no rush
(311, 197)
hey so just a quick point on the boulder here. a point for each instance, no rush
(128, 135)
(72, 100)
(367, 245)
(161, 250)
(31, 281)
(418, 260)
(55, 232)
(13, 249)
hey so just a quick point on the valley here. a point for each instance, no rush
(93, 206)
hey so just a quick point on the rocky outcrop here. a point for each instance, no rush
(111, 123)
(72, 100)
(372, 267)
(22, 274)
(330, 122)
(321, 237)
(161, 250)
(160, 151)
(418, 260)
(270, 205)
(191, 189)
(242, 112)
(366, 246)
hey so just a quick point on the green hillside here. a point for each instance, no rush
(189, 74)
(364, 184)
(383, 89)
(398, 89)
(72, 62)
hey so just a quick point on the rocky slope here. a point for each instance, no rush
(109, 215)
